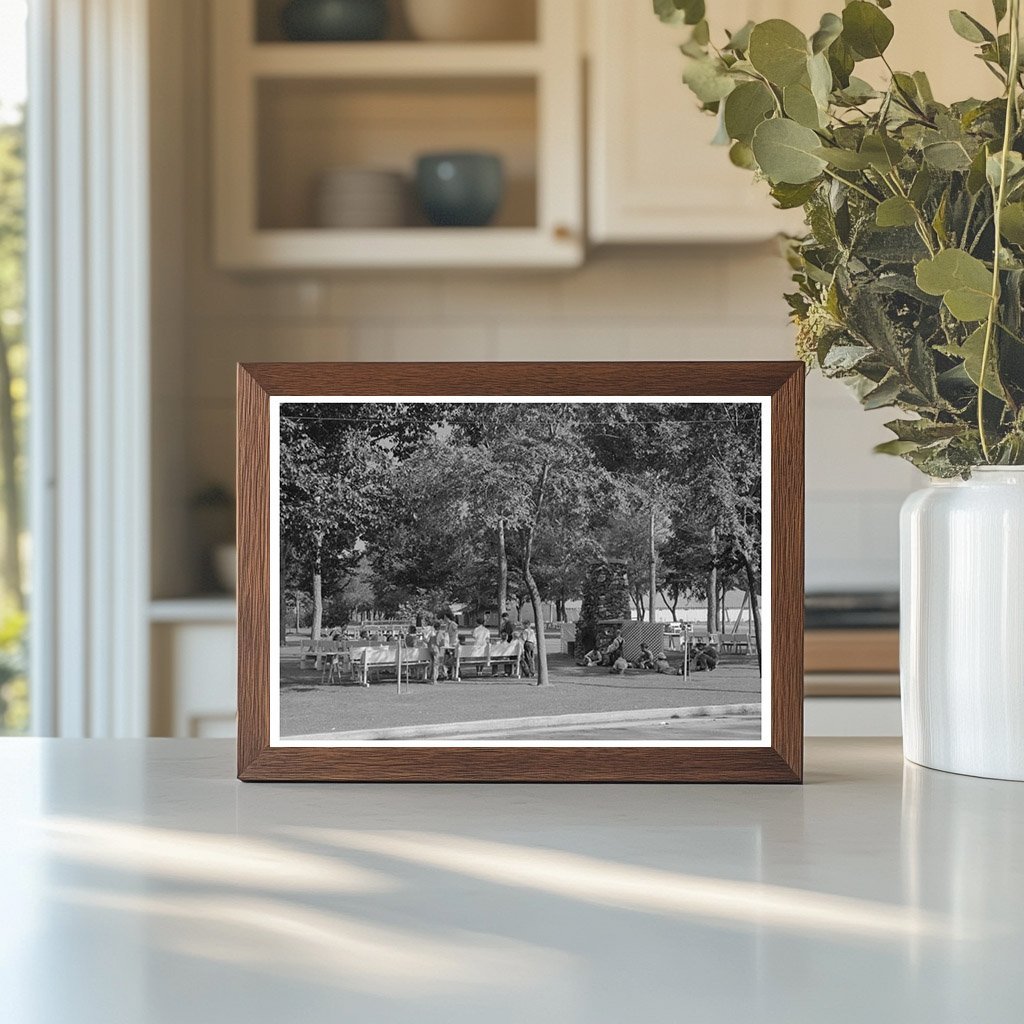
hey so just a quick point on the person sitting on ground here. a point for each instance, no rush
(591, 658)
(646, 659)
(661, 664)
(705, 657)
(614, 650)
(619, 667)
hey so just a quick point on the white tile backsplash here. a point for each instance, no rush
(714, 303)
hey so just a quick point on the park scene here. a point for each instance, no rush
(536, 571)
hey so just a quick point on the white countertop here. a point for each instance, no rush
(143, 885)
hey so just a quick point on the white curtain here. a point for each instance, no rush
(88, 318)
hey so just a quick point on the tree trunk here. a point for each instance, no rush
(538, 624)
(713, 584)
(755, 612)
(11, 490)
(671, 605)
(502, 570)
(653, 588)
(318, 597)
(282, 610)
(531, 583)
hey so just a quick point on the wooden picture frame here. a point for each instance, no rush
(780, 386)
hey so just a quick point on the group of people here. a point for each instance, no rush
(703, 657)
(441, 637)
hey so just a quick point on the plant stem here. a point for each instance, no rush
(993, 309)
(855, 187)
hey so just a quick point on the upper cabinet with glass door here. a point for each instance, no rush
(368, 133)
(653, 174)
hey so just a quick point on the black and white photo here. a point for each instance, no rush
(499, 571)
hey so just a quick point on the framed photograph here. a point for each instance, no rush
(551, 572)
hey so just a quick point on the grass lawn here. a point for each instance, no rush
(309, 707)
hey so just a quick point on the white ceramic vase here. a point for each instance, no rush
(962, 624)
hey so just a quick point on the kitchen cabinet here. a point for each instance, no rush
(653, 175)
(286, 113)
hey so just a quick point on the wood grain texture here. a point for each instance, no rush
(782, 762)
(852, 650)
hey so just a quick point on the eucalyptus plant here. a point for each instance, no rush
(909, 280)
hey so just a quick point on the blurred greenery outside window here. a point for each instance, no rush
(14, 548)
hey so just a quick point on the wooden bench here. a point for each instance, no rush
(476, 655)
(379, 659)
(508, 653)
(415, 658)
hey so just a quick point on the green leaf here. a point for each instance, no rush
(923, 431)
(999, 7)
(708, 80)
(830, 29)
(1012, 225)
(866, 29)
(745, 108)
(858, 91)
(778, 50)
(785, 152)
(789, 197)
(800, 105)
(885, 394)
(677, 12)
(971, 352)
(820, 76)
(947, 156)
(896, 212)
(963, 281)
(896, 447)
(739, 41)
(969, 28)
(844, 159)
(883, 153)
(921, 185)
(994, 168)
(841, 60)
(976, 174)
(741, 155)
(924, 87)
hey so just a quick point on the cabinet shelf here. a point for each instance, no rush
(310, 248)
(393, 60)
(287, 113)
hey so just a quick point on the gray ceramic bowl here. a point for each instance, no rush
(461, 190)
(334, 20)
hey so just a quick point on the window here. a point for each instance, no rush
(14, 550)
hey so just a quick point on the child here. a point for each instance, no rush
(646, 659)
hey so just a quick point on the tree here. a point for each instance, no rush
(724, 492)
(324, 503)
(12, 349)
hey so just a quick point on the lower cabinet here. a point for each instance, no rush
(193, 678)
